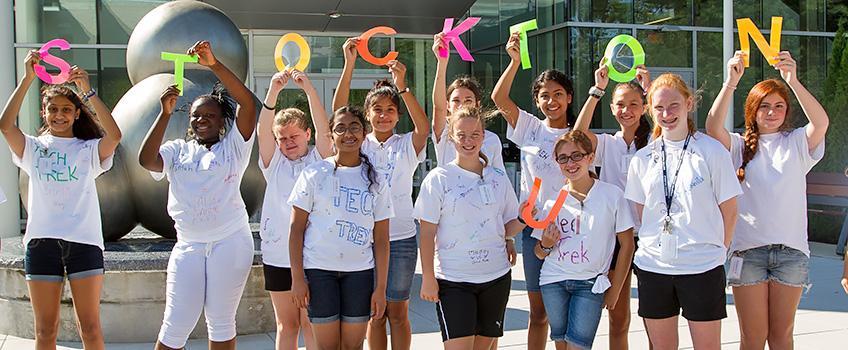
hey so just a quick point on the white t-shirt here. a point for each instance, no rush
(613, 155)
(204, 197)
(395, 161)
(470, 213)
(492, 148)
(587, 234)
(63, 201)
(773, 207)
(339, 233)
(706, 179)
(280, 176)
(536, 141)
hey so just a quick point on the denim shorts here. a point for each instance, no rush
(50, 260)
(403, 254)
(774, 262)
(574, 312)
(532, 264)
(335, 295)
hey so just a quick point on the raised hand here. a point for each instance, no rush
(398, 71)
(787, 67)
(32, 58)
(439, 43)
(278, 82)
(349, 49)
(602, 75)
(168, 100)
(513, 47)
(203, 50)
(735, 68)
(643, 77)
(79, 77)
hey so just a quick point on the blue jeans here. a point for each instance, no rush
(574, 312)
(403, 254)
(335, 295)
(532, 264)
(775, 262)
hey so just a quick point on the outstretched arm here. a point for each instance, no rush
(246, 113)
(440, 95)
(419, 117)
(112, 136)
(264, 130)
(148, 155)
(814, 111)
(13, 135)
(340, 98)
(500, 94)
(718, 112)
(323, 139)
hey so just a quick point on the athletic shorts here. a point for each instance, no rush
(468, 309)
(701, 296)
(277, 279)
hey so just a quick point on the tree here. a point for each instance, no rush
(836, 104)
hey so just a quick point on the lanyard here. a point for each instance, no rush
(669, 193)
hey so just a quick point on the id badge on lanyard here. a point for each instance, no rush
(668, 242)
(487, 193)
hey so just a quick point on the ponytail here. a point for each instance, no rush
(370, 174)
(484, 158)
(752, 142)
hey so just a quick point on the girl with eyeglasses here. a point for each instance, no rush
(211, 260)
(552, 93)
(395, 158)
(685, 190)
(339, 238)
(769, 263)
(577, 247)
(284, 152)
(467, 210)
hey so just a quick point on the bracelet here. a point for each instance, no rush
(509, 239)
(404, 90)
(267, 106)
(521, 220)
(731, 87)
(89, 94)
(596, 92)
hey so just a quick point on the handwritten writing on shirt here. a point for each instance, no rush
(577, 255)
(52, 166)
(354, 201)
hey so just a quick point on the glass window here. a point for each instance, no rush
(610, 11)
(587, 49)
(550, 12)
(710, 70)
(836, 10)
(663, 12)
(43, 20)
(326, 53)
(486, 33)
(708, 13)
(806, 15)
(668, 49)
(513, 12)
(114, 82)
(118, 18)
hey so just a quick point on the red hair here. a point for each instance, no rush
(673, 81)
(752, 104)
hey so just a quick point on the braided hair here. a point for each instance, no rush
(220, 96)
(369, 174)
(752, 131)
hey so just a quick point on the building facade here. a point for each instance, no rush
(681, 36)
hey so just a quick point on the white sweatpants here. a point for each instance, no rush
(206, 277)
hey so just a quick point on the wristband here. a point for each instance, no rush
(267, 106)
(596, 93)
(89, 94)
(404, 90)
(509, 239)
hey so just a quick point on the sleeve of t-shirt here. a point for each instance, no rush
(302, 195)
(168, 151)
(623, 214)
(25, 162)
(241, 148)
(633, 190)
(809, 158)
(599, 150)
(428, 206)
(268, 171)
(737, 143)
(523, 125)
(97, 165)
(383, 204)
(440, 146)
(409, 148)
(723, 175)
(497, 153)
(509, 210)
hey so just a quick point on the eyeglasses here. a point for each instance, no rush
(576, 157)
(342, 129)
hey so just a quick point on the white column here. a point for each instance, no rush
(727, 52)
(10, 212)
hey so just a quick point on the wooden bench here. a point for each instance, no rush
(831, 189)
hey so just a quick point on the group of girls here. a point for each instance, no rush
(338, 225)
